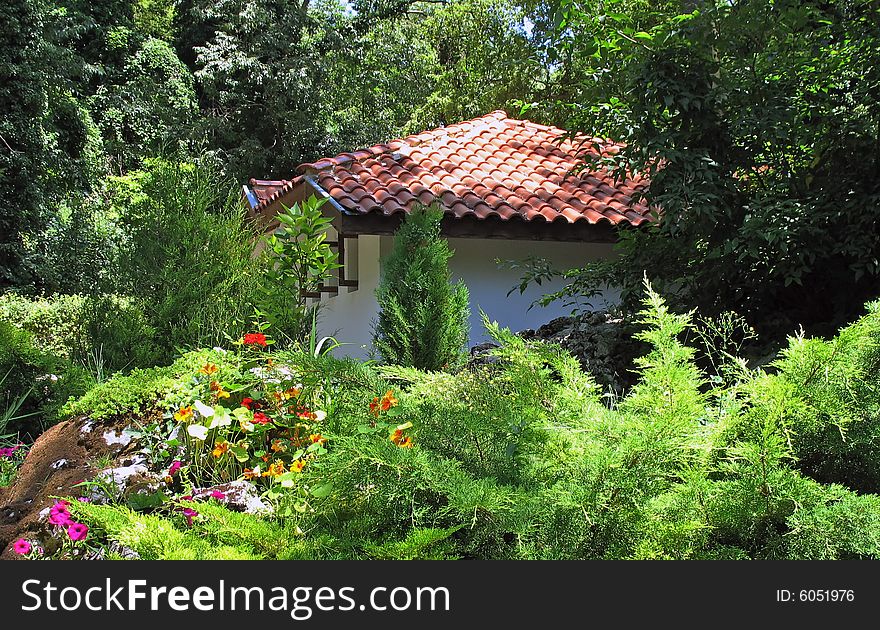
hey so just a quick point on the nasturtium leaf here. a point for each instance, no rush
(322, 491)
(287, 480)
(239, 453)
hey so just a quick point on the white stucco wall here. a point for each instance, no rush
(349, 316)
(474, 262)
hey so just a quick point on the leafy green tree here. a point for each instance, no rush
(259, 75)
(23, 143)
(423, 317)
(757, 123)
(152, 110)
(482, 60)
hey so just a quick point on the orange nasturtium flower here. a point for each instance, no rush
(277, 446)
(399, 439)
(208, 369)
(276, 469)
(298, 465)
(218, 389)
(317, 438)
(374, 407)
(220, 449)
(388, 401)
(251, 473)
(183, 414)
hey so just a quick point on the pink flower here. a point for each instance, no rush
(218, 495)
(189, 513)
(8, 452)
(84, 499)
(21, 547)
(59, 515)
(77, 531)
(186, 498)
(175, 466)
(60, 518)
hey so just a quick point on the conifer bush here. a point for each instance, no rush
(423, 317)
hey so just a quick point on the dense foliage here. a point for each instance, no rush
(757, 123)
(97, 89)
(514, 459)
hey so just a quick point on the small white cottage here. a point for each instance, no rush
(510, 190)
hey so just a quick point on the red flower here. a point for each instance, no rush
(247, 402)
(255, 339)
(261, 418)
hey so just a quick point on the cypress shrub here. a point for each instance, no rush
(423, 316)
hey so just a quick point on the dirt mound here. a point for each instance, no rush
(65, 455)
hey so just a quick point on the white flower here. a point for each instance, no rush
(320, 415)
(204, 410)
(198, 431)
(221, 418)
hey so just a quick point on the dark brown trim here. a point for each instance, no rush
(495, 228)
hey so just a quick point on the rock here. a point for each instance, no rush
(480, 354)
(123, 438)
(125, 481)
(239, 496)
(603, 342)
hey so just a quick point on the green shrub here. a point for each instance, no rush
(116, 336)
(521, 459)
(188, 256)
(297, 261)
(33, 384)
(54, 322)
(423, 318)
(156, 538)
(135, 393)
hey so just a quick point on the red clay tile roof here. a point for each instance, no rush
(265, 191)
(488, 166)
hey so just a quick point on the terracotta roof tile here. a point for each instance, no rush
(488, 166)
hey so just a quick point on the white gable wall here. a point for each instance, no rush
(349, 316)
